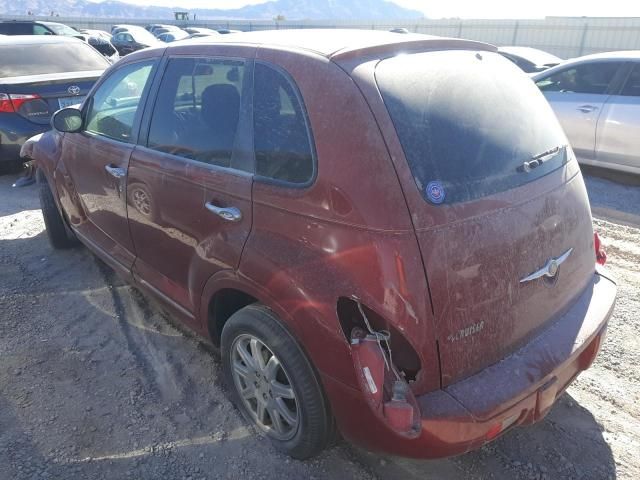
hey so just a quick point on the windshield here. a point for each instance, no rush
(470, 123)
(49, 58)
(61, 29)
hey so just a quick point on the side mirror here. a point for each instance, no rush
(67, 120)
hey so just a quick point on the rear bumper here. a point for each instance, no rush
(14, 131)
(518, 390)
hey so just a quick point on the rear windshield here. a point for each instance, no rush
(49, 58)
(470, 123)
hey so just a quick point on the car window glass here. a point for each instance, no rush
(632, 85)
(198, 109)
(115, 103)
(39, 58)
(461, 124)
(40, 30)
(11, 28)
(593, 78)
(281, 136)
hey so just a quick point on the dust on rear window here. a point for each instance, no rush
(468, 122)
(19, 60)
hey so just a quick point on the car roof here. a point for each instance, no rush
(619, 55)
(36, 39)
(523, 50)
(623, 55)
(51, 23)
(343, 43)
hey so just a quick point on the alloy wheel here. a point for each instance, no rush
(264, 387)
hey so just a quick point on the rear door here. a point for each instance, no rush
(189, 187)
(577, 95)
(494, 192)
(97, 158)
(618, 137)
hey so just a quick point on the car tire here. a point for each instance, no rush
(314, 426)
(60, 236)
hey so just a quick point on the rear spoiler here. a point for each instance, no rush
(418, 43)
(47, 77)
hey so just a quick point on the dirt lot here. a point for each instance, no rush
(96, 383)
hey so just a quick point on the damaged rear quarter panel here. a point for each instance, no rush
(349, 233)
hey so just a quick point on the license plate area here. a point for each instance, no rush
(69, 101)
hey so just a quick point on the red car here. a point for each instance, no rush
(387, 235)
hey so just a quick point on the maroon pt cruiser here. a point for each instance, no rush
(386, 235)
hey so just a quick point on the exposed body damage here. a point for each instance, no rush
(407, 302)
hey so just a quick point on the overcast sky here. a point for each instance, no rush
(465, 8)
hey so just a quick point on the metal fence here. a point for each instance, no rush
(563, 36)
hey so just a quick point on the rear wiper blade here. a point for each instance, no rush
(540, 158)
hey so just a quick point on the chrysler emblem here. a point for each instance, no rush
(73, 90)
(550, 269)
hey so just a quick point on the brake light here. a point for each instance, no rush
(5, 103)
(12, 102)
(601, 254)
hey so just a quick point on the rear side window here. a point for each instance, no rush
(281, 136)
(49, 58)
(632, 85)
(468, 122)
(15, 28)
(198, 109)
(593, 78)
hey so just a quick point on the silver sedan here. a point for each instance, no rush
(597, 100)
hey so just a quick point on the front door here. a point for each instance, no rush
(189, 186)
(617, 140)
(97, 159)
(577, 95)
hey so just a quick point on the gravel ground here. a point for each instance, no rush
(97, 383)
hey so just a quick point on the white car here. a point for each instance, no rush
(597, 100)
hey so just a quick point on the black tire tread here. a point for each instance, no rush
(57, 230)
(317, 429)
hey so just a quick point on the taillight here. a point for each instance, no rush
(601, 255)
(5, 103)
(12, 102)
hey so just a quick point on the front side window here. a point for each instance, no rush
(281, 137)
(593, 78)
(115, 105)
(197, 110)
(40, 30)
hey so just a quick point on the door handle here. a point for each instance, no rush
(587, 108)
(116, 172)
(230, 214)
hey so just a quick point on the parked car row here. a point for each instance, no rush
(165, 33)
(98, 39)
(407, 256)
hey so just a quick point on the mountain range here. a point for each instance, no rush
(290, 9)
